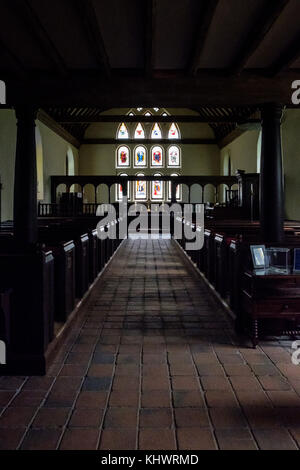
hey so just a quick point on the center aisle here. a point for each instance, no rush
(154, 365)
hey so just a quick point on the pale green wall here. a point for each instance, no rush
(196, 159)
(291, 162)
(8, 132)
(243, 154)
(54, 159)
(55, 149)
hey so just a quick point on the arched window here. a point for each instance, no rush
(70, 165)
(178, 190)
(141, 189)
(140, 157)
(173, 132)
(139, 132)
(148, 114)
(123, 132)
(259, 152)
(156, 132)
(119, 192)
(123, 157)
(174, 159)
(157, 157)
(157, 189)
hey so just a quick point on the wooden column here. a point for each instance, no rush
(271, 180)
(25, 186)
(173, 191)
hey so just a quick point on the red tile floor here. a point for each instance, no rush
(155, 365)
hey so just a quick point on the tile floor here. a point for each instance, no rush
(155, 365)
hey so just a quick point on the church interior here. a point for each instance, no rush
(139, 341)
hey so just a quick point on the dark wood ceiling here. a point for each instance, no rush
(219, 57)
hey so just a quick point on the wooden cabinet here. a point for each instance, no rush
(271, 301)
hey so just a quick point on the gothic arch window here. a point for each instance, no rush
(157, 189)
(123, 157)
(156, 132)
(119, 189)
(140, 157)
(157, 156)
(173, 131)
(148, 114)
(139, 132)
(140, 192)
(174, 157)
(123, 131)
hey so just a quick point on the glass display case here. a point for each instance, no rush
(278, 260)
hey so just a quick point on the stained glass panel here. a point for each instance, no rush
(156, 132)
(123, 159)
(157, 157)
(139, 132)
(123, 132)
(140, 159)
(173, 132)
(174, 156)
(157, 192)
(141, 189)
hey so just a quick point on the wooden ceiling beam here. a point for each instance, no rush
(214, 118)
(207, 16)
(29, 16)
(264, 22)
(92, 28)
(15, 62)
(96, 141)
(150, 14)
(82, 90)
(290, 54)
(57, 128)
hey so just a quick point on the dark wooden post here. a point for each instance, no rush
(25, 186)
(271, 178)
(173, 191)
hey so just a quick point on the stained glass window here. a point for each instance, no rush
(156, 110)
(123, 158)
(141, 189)
(178, 190)
(123, 132)
(140, 157)
(157, 192)
(148, 113)
(139, 109)
(173, 132)
(119, 195)
(156, 132)
(131, 114)
(139, 132)
(174, 156)
(157, 157)
(164, 114)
